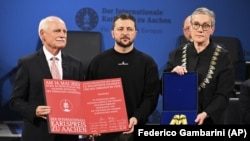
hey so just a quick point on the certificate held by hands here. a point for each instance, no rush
(86, 107)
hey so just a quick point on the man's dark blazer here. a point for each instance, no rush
(27, 93)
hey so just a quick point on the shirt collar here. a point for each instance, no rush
(48, 55)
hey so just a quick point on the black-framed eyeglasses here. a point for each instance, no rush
(204, 26)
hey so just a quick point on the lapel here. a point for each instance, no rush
(65, 66)
(43, 63)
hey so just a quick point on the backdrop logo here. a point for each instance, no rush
(86, 19)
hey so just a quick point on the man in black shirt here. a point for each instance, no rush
(138, 71)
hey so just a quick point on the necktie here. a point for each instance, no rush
(54, 69)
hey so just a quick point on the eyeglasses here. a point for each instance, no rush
(205, 26)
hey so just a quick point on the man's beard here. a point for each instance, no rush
(120, 43)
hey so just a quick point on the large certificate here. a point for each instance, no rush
(86, 107)
(180, 96)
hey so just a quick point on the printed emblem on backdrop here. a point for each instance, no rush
(86, 19)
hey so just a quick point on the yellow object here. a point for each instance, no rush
(179, 120)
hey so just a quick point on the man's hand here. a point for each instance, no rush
(132, 122)
(43, 111)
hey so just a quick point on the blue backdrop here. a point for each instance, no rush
(159, 25)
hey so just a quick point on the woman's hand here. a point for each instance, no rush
(179, 70)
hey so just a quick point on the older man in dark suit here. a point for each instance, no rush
(28, 95)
